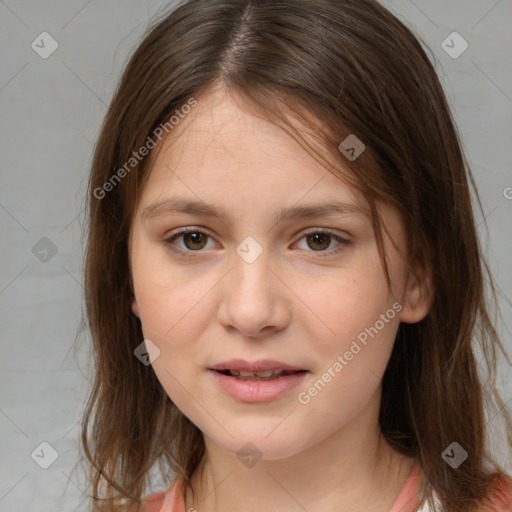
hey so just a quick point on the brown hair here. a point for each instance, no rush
(322, 70)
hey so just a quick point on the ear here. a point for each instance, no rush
(135, 307)
(419, 294)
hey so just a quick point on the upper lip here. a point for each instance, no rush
(254, 366)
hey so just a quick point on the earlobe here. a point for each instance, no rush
(135, 308)
(419, 296)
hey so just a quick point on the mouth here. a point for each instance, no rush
(258, 381)
(260, 370)
(257, 385)
(259, 376)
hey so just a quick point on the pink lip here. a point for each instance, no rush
(255, 366)
(257, 391)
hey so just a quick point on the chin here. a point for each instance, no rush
(253, 448)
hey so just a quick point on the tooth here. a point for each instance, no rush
(266, 373)
(262, 374)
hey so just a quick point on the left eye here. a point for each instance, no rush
(195, 240)
(323, 239)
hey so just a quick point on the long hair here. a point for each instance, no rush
(322, 70)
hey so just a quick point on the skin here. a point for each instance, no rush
(299, 302)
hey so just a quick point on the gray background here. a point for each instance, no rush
(51, 111)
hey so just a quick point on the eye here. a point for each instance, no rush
(319, 240)
(194, 240)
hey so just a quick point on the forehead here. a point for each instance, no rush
(220, 149)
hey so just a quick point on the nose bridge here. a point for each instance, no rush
(252, 302)
(252, 272)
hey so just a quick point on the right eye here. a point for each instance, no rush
(193, 238)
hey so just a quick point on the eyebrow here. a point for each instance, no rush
(181, 205)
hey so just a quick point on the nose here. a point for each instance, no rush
(255, 302)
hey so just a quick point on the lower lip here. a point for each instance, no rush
(254, 391)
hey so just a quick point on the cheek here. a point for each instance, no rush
(168, 297)
(347, 383)
(173, 313)
(345, 305)
(352, 336)
(173, 318)
(352, 364)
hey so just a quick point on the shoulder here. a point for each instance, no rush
(501, 498)
(153, 502)
(170, 500)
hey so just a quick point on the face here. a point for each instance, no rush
(305, 291)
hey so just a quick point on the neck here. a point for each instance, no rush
(353, 469)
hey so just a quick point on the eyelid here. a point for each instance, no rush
(189, 229)
(329, 231)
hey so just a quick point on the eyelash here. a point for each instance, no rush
(168, 242)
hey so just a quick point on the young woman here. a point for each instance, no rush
(284, 284)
